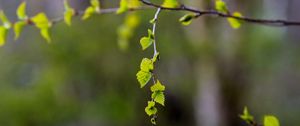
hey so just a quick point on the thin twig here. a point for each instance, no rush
(154, 29)
(225, 15)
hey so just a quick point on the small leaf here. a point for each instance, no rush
(134, 3)
(152, 21)
(21, 11)
(235, 23)
(220, 5)
(270, 120)
(151, 109)
(155, 57)
(246, 116)
(96, 5)
(41, 21)
(18, 27)
(69, 12)
(146, 65)
(123, 7)
(132, 20)
(5, 21)
(157, 87)
(3, 34)
(150, 34)
(143, 77)
(88, 13)
(146, 42)
(45, 34)
(170, 3)
(187, 19)
(159, 97)
(153, 120)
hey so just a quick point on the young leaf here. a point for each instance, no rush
(18, 27)
(5, 21)
(134, 3)
(153, 120)
(146, 42)
(123, 7)
(88, 13)
(159, 97)
(21, 11)
(220, 5)
(155, 57)
(246, 116)
(146, 65)
(157, 87)
(143, 77)
(3, 33)
(95, 7)
(151, 109)
(132, 20)
(234, 23)
(69, 12)
(95, 3)
(170, 3)
(187, 19)
(270, 120)
(41, 21)
(45, 34)
(150, 34)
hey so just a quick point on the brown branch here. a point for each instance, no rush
(225, 15)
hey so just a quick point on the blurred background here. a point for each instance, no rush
(85, 77)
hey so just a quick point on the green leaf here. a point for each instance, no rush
(3, 34)
(69, 12)
(21, 11)
(159, 97)
(170, 3)
(146, 65)
(143, 77)
(146, 42)
(187, 19)
(246, 116)
(155, 57)
(88, 13)
(150, 34)
(152, 21)
(41, 21)
(132, 20)
(153, 120)
(234, 23)
(151, 109)
(45, 34)
(18, 27)
(157, 87)
(95, 3)
(220, 5)
(134, 3)
(270, 120)
(123, 7)
(5, 21)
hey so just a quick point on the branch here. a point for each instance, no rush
(225, 15)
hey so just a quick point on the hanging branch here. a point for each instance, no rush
(199, 13)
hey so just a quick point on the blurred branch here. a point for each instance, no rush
(199, 13)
